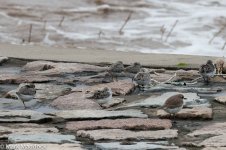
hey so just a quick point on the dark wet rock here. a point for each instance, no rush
(128, 124)
(137, 146)
(38, 146)
(41, 138)
(98, 114)
(221, 99)
(119, 134)
(12, 116)
(75, 101)
(193, 100)
(113, 102)
(194, 113)
(6, 130)
(118, 88)
(3, 59)
(50, 68)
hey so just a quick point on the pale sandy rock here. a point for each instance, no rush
(98, 114)
(113, 102)
(119, 134)
(51, 91)
(221, 99)
(137, 146)
(5, 131)
(183, 75)
(12, 116)
(218, 79)
(131, 123)
(51, 68)
(213, 129)
(41, 138)
(196, 112)
(38, 146)
(75, 101)
(215, 141)
(21, 78)
(118, 88)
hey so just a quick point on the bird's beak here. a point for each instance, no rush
(185, 98)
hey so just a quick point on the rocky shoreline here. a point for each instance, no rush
(61, 116)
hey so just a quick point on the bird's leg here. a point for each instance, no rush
(22, 101)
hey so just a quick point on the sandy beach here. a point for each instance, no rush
(97, 56)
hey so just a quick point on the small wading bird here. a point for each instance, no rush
(102, 95)
(26, 93)
(219, 64)
(174, 104)
(142, 78)
(207, 71)
(135, 68)
(115, 69)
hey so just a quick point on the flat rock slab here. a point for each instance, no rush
(221, 99)
(45, 91)
(212, 129)
(113, 102)
(51, 68)
(41, 138)
(5, 131)
(98, 114)
(215, 141)
(193, 100)
(13, 116)
(118, 134)
(38, 146)
(75, 101)
(195, 113)
(21, 78)
(129, 124)
(183, 75)
(51, 91)
(14, 104)
(120, 87)
(136, 146)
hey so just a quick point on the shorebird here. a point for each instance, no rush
(142, 78)
(207, 71)
(135, 68)
(219, 64)
(115, 69)
(102, 95)
(26, 93)
(174, 104)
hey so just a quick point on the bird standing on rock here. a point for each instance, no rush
(102, 95)
(207, 71)
(115, 69)
(219, 64)
(142, 78)
(26, 93)
(174, 104)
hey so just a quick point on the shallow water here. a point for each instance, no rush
(88, 24)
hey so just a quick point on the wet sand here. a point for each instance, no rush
(99, 56)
